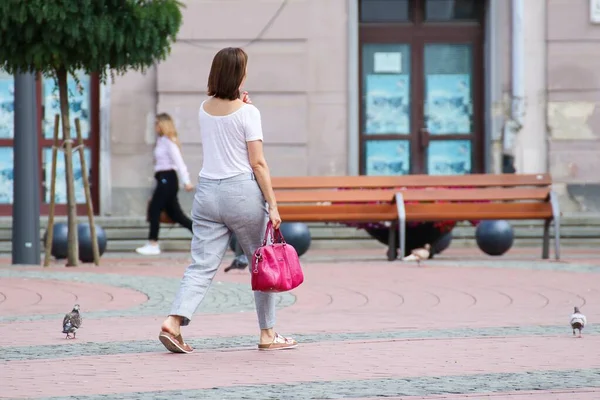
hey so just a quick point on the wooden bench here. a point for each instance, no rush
(400, 199)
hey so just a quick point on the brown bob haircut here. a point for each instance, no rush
(227, 73)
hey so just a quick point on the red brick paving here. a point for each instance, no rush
(29, 296)
(340, 297)
(358, 297)
(343, 361)
(574, 394)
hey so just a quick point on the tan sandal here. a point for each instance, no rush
(279, 343)
(174, 344)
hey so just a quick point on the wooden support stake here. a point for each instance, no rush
(50, 225)
(88, 195)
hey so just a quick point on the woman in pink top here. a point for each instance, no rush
(234, 195)
(167, 163)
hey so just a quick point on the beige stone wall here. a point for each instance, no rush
(573, 96)
(132, 111)
(500, 105)
(296, 77)
(573, 91)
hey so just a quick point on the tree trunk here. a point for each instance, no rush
(73, 249)
(88, 193)
(50, 227)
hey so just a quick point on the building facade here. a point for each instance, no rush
(376, 87)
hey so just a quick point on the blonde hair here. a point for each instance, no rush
(166, 127)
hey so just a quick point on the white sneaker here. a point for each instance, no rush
(149, 249)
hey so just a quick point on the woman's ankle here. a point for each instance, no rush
(267, 335)
(172, 324)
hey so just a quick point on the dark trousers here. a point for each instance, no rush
(417, 236)
(165, 198)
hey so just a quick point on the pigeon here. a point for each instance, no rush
(239, 262)
(72, 322)
(419, 254)
(578, 321)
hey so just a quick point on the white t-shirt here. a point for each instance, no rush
(224, 141)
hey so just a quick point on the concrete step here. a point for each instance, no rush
(327, 233)
(568, 219)
(119, 246)
(125, 234)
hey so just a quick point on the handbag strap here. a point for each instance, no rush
(278, 236)
(268, 232)
(275, 234)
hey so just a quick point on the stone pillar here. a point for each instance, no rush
(531, 142)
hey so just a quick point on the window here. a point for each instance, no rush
(453, 10)
(384, 10)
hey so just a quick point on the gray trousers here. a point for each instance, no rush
(240, 256)
(220, 207)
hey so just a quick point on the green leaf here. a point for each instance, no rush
(93, 35)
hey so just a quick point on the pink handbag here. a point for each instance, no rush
(276, 267)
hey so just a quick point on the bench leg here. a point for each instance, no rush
(401, 223)
(546, 240)
(556, 217)
(392, 253)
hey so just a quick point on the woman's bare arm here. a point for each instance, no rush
(261, 171)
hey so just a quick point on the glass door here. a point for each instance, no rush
(448, 133)
(386, 117)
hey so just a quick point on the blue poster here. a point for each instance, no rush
(387, 104)
(449, 157)
(6, 175)
(448, 104)
(7, 106)
(387, 157)
(79, 106)
(60, 196)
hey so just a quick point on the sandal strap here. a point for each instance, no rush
(282, 339)
(179, 338)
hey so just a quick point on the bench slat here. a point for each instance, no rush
(491, 194)
(473, 180)
(340, 213)
(357, 196)
(364, 196)
(415, 212)
(476, 211)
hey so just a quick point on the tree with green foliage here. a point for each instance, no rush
(58, 37)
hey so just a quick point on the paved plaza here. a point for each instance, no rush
(464, 326)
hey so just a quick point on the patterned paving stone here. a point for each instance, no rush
(381, 388)
(465, 326)
(534, 265)
(223, 297)
(363, 361)
(238, 342)
(565, 394)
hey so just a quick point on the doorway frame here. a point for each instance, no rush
(492, 84)
(418, 33)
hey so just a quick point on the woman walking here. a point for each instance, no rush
(233, 187)
(167, 163)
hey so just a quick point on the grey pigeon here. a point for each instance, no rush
(578, 321)
(72, 322)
